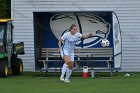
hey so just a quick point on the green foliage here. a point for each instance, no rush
(5, 8)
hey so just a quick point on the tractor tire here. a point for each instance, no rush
(3, 69)
(17, 67)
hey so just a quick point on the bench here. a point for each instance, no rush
(88, 55)
(94, 55)
(47, 56)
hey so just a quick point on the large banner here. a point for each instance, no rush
(117, 41)
(104, 25)
(56, 24)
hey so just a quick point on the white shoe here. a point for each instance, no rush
(62, 79)
(67, 80)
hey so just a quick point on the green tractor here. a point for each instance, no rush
(9, 51)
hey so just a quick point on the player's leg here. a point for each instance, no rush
(68, 73)
(65, 65)
(64, 69)
(64, 55)
(70, 67)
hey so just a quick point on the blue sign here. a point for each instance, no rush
(56, 24)
(103, 25)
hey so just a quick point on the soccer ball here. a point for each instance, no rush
(105, 43)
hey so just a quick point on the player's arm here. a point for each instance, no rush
(87, 36)
(63, 38)
(60, 44)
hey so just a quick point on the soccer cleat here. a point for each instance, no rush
(67, 80)
(62, 79)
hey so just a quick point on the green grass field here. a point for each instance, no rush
(32, 83)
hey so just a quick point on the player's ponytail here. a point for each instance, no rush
(72, 26)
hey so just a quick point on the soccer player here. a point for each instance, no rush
(67, 50)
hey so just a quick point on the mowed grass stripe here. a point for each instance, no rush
(33, 84)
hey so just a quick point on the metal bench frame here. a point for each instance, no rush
(47, 53)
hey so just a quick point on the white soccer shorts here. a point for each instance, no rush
(65, 52)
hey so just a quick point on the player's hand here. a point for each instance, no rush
(90, 34)
(59, 49)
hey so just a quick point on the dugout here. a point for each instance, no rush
(49, 26)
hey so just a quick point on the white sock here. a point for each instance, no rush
(69, 71)
(64, 68)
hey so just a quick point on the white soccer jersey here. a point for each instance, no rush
(69, 41)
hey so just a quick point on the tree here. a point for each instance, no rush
(5, 8)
